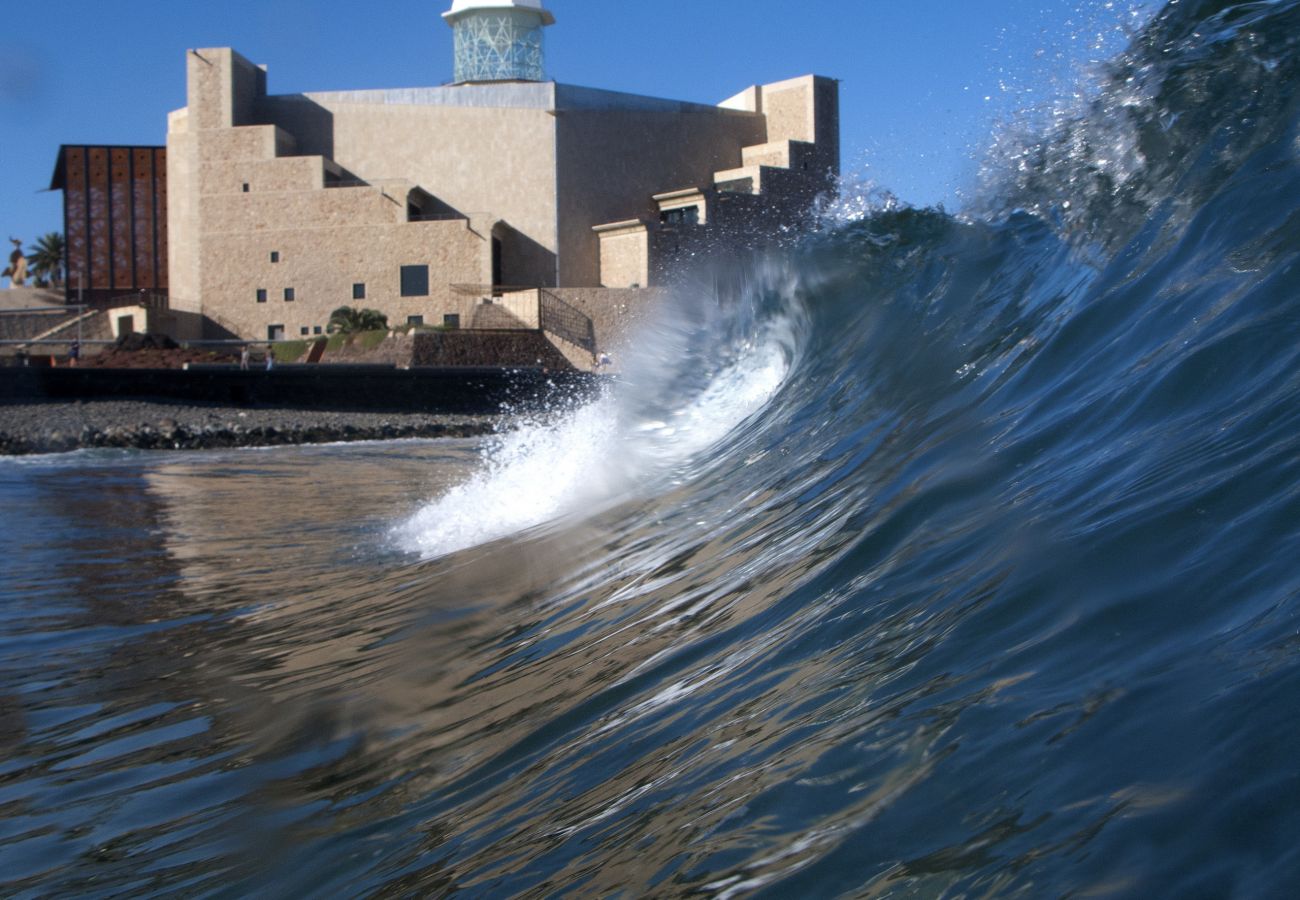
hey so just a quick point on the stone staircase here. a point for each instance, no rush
(94, 323)
(491, 316)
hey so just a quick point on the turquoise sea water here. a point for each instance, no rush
(928, 556)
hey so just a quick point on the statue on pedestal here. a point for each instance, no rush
(17, 271)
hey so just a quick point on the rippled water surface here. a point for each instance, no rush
(927, 556)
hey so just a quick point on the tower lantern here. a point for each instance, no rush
(499, 40)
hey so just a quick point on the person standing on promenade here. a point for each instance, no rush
(74, 353)
(243, 358)
(270, 357)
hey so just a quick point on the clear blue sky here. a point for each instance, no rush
(922, 80)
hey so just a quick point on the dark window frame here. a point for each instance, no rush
(680, 216)
(415, 281)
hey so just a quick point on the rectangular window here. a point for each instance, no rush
(415, 281)
(686, 215)
(305, 330)
(275, 256)
(275, 332)
(359, 291)
(245, 187)
(451, 320)
(261, 295)
(316, 329)
(415, 320)
(288, 295)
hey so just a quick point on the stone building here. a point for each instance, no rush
(498, 189)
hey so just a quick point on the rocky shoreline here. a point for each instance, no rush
(60, 426)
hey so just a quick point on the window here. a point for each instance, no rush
(316, 329)
(275, 256)
(288, 295)
(359, 291)
(736, 186)
(687, 215)
(245, 187)
(451, 320)
(261, 295)
(415, 281)
(415, 320)
(275, 332)
(305, 330)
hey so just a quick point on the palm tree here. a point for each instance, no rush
(347, 320)
(46, 258)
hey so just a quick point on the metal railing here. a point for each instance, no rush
(554, 315)
(566, 321)
(25, 326)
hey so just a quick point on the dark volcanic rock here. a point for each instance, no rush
(136, 341)
(49, 427)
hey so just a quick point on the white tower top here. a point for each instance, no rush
(499, 40)
(461, 7)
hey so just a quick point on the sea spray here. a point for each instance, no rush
(701, 365)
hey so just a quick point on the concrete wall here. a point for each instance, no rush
(460, 390)
(612, 161)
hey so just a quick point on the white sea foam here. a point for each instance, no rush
(626, 442)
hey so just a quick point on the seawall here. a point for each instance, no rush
(335, 387)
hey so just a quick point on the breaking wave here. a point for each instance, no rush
(927, 555)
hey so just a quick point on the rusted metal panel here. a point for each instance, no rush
(115, 220)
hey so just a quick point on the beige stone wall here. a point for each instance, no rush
(321, 264)
(183, 259)
(805, 109)
(272, 211)
(246, 142)
(222, 87)
(294, 173)
(533, 166)
(788, 107)
(496, 163)
(625, 257)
